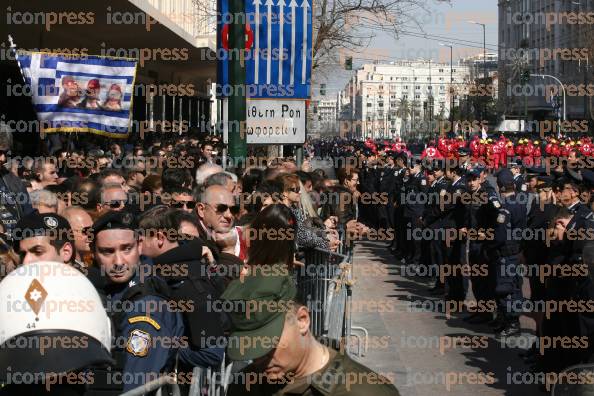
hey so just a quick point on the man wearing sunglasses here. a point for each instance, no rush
(112, 198)
(216, 210)
(182, 199)
(135, 176)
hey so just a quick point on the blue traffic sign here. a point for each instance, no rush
(279, 55)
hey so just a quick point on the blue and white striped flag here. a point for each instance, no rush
(80, 94)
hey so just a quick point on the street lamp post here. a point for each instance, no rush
(484, 47)
(451, 82)
(562, 89)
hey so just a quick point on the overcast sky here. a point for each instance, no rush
(446, 20)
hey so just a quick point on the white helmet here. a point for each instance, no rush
(51, 320)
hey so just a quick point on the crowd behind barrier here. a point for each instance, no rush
(448, 213)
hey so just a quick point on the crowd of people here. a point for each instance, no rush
(504, 228)
(501, 233)
(169, 241)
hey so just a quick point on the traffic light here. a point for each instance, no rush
(348, 63)
(323, 89)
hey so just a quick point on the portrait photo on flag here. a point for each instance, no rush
(80, 94)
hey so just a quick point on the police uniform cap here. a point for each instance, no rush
(262, 299)
(42, 224)
(534, 171)
(463, 151)
(401, 156)
(545, 181)
(505, 177)
(474, 172)
(115, 220)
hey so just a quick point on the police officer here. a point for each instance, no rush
(504, 253)
(411, 200)
(518, 176)
(148, 330)
(45, 350)
(437, 220)
(45, 237)
(286, 357)
(369, 185)
(400, 177)
(457, 193)
(480, 216)
(387, 178)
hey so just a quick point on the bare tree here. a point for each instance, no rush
(349, 25)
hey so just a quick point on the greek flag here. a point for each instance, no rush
(80, 94)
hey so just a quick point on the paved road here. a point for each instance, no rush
(405, 324)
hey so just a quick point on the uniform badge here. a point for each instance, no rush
(50, 221)
(423, 182)
(496, 204)
(138, 343)
(501, 218)
(127, 218)
(35, 296)
(524, 188)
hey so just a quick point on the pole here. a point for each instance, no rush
(451, 87)
(237, 100)
(485, 50)
(562, 89)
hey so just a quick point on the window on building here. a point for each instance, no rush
(417, 96)
(441, 70)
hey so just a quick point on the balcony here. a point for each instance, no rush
(193, 20)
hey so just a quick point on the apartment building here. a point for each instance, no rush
(392, 99)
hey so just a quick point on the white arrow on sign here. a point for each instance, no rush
(269, 3)
(305, 6)
(293, 5)
(281, 21)
(257, 4)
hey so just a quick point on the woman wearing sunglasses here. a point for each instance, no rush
(308, 237)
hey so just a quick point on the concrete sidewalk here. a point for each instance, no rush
(411, 341)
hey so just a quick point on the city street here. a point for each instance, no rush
(412, 354)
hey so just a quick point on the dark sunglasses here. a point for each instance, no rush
(115, 204)
(183, 204)
(294, 189)
(222, 208)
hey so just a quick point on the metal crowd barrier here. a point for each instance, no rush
(205, 382)
(325, 283)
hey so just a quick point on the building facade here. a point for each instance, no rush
(324, 117)
(400, 99)
(549, 38)
(477, 64)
